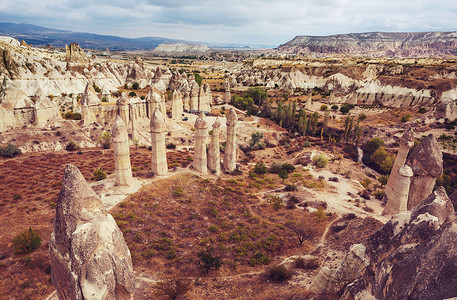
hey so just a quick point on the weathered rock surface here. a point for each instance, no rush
(426, 161)
(89, 256)
(74, 54)
(413, 256)
(390, 44)
(180, 49)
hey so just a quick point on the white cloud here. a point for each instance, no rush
(238, 21)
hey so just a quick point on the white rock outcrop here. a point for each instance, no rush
(89, 256)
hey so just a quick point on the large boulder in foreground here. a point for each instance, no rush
(414, 256)
(89, 256)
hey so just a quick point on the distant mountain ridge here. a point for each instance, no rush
(376, 44)
(41, 36)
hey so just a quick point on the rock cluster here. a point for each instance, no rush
(89, 256)
(74, 54)
(412, 257)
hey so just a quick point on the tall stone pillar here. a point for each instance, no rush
(121, 152)
(309, 102)
(123, 108)
(398, 201)
(159, 152)
(227, 96)
(186, 104)
(406, 142)
(176, 105)
(426, 161)
(194, 98)
(205, 97)
(214, 153)
(230, 144)
(201, 132)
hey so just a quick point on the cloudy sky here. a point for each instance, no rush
(262, 22)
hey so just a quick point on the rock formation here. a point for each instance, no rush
(159, 164)
(201, 132)
(176, 105)
(167, 49)
(230, 144)
(185, 100)
(426, 161)
(45, 110)
(398, 199)
(309, 102)
(204, 98)
(123, 108)
(155, 101)
(74, 54)
(413, 256)
(406, 142)
(194, 97)
(89, 257)
(387, 44)
(214, 152)
(121, 152)
(227, 96)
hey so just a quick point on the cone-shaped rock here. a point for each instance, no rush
(214, 153)
(89, 256)
(230, 144)
(201, 132)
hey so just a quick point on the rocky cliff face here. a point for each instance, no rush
(402, 44)
(412, 257)
(389, 85)
(180, 49)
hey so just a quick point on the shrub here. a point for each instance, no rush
(276, 202)
(72, 116)
(279, 273)
(324, 107)
(290, 188)
(96, 88)
(105, 140)
(135, 85)
(334, 107)
(27, 241)
(99, 174)
(320, 160)
(173, 288)
(177, 192)
(104, 99)
(383, 179)
(346, 107)
(283, 174)
(170, 146)
(406, 118)
(259, 258)
(422, 110)
(9, 151)
(307, 264)
(71, 146)
(208, 261)
(260, 168)
(132, 94)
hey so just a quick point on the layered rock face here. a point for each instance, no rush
(412, 257)
(181, 49)
(387, 44)
(89, 256)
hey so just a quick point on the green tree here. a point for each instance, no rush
(105, 140)
(27, 241)
(208, 261)
(283, 174)
(198, 78)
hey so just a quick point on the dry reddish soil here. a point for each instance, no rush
(29, 188)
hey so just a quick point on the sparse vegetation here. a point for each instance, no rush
(10, 151)
(320, 160)
(105, 140)
(209, 261)
(27, 241)
(71, 146)
(99, 174)
(279, 273)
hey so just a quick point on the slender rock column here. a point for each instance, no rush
(426, 161)
(205, 98)
(309, 102)
(406, 142)
(159, 153)
(123, 108)
(176, 105)
(230, 144)
(185, 100)
(214, 153)
(121, 152)
(398, 201)
(194, 98)
(201, 132)
(227, 96)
